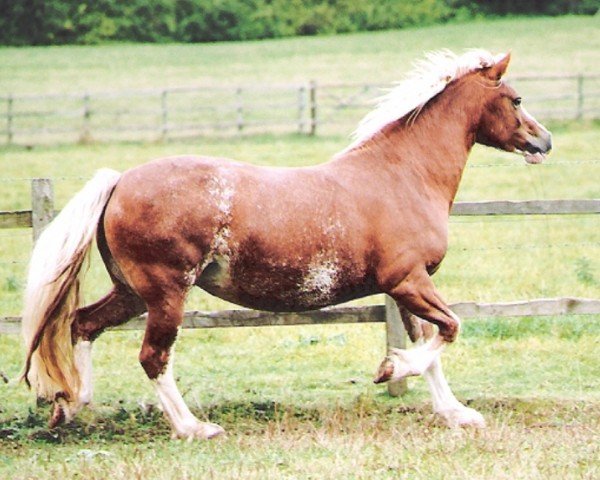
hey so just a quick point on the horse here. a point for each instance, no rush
(373, 219)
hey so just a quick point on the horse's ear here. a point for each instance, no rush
(497, 71)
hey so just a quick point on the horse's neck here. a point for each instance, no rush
(432, 147)
(438, 144)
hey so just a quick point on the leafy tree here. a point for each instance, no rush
(42, 22)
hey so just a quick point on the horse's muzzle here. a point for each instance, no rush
(537, 147)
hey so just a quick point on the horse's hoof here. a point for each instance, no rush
(211, 430)
(200, 431)
(396, 366)
(385, 371)
(462, 417)
(57, 417)
(63, 412)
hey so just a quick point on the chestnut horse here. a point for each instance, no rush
(373, 219)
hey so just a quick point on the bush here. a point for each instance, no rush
(43, 22)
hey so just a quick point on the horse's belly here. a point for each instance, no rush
(284, 287)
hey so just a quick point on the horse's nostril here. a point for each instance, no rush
(532, 148)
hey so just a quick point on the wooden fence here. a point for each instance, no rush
(306, 109)
(43, 211)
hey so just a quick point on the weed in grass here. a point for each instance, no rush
(12, 284)
(584, 271)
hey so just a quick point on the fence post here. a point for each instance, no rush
(86, 135)
(313, 107)
(395, 338)
(42, 205)
(239, 109)
(164, 115)
(580, 97)
(301, 107)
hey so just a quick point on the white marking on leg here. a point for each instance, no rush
(82, 352)
(183, 422)
(82, 355)
(416, 360)
(445, 404)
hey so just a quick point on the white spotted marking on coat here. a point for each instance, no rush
(190, 276)
(220, 243)
(321, 278)
(222, 192)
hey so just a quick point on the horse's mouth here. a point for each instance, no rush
(533, 154)
(535, 150)
(534, 158)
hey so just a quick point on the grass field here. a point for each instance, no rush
(297, 401)
(540, 45)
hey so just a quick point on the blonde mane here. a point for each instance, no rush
(429, 77)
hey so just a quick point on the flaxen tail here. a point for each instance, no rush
(52, 293)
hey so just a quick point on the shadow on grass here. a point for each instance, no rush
(145, 423)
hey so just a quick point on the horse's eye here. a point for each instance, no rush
(517, 101)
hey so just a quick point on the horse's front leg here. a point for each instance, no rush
(445, 404)
(417, 294)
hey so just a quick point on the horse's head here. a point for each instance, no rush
(505, 124)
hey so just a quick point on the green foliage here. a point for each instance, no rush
(552, 7)
(518, 328)
(203, 20)
(38, 22)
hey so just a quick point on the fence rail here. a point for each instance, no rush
(24, 218)
(304, 108)
(366, 314)
(43, 211)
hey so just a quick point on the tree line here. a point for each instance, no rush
(49, 22)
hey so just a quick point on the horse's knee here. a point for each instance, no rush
(418, 296)
(450, 328)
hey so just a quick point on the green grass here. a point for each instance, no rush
(379, 58)
(297, 401)
(313, 411)
(539, 45)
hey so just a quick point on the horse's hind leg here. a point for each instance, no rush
(165, 314)
(118, 306)
(114, 309)
(445, 404)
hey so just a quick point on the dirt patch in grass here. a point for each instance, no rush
(146, 422)
(371, 438)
